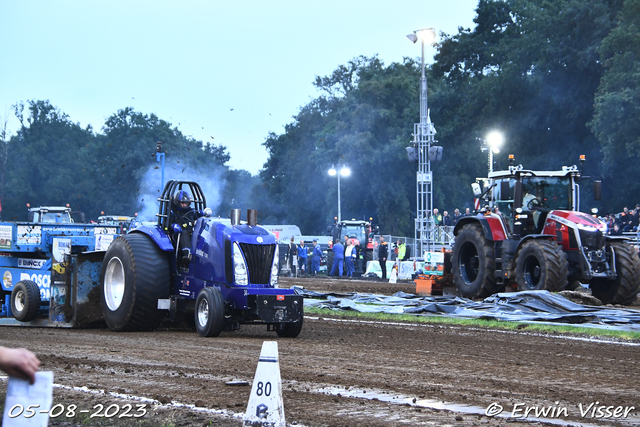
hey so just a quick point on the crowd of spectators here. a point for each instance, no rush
(623, 222)
(449, 220)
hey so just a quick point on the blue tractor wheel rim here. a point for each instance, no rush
(203, 312)
(114, 283)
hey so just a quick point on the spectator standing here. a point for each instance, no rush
(338, 259)
(446, 219)
(467, 212)
(302, 257)
(292, 253)
(456, 216)
(317, 256)
(329, 257)
(402, 250)
(437, 218)
(349, 257)
(383, 254)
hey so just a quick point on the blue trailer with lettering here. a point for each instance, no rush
(36, 261)
(86, 275)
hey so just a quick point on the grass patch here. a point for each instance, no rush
(480, 323)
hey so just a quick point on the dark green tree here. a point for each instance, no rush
(530, 69)
(360, 120)
(54, 161)
(48, 161)
(616, 122)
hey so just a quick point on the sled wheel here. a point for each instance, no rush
(25, 300)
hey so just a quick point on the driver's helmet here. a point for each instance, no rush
(182, 201)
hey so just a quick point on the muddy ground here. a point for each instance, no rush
(380, 374)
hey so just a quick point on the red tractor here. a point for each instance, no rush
(363, 231)
(535, 237)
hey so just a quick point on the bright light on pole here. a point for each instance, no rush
(428, 35)
(492, 144)
(495, 139)
(344, 171)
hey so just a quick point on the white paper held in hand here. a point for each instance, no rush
(28, 405)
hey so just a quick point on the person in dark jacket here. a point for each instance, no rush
(456, 216)
(446, 219)
(317, 256)
(293, 252)
(383, 254)
(329, 257)
(632, 221)
(183, 219)
(338, 259)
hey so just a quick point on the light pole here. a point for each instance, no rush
(423, 139)
(492, 143)
(160, 158)
(344, 171)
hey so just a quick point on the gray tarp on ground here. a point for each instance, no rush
(529, 306)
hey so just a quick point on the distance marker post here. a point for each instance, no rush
(265, 408)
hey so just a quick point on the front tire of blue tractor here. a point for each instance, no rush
(290, 330)
(209, 313)
(135, 275)
(25, 300)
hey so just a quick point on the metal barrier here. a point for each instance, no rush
(444, 239)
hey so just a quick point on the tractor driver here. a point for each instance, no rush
(182, 221)
(531, 202)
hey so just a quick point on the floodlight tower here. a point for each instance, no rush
(423, 138)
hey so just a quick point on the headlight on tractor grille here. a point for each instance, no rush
(240, 275)
(275, 267)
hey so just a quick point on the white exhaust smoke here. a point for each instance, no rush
(210, 179)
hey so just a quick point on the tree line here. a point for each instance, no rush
(558, 78)
(52, 161)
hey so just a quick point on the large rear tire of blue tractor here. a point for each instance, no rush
(209, 312)
(290, 330)
(135, 275)
(25, 300)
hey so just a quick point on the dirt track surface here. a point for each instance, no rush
(372, 366)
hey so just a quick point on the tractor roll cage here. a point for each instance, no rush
(172, 186)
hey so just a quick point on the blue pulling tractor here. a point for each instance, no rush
(227, 276)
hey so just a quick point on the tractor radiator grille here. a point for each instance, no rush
(259, 259)
(592, 239)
